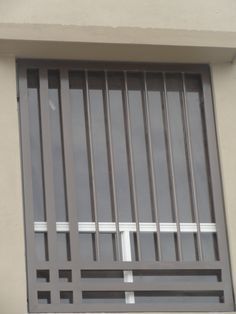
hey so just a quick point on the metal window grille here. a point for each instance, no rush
(122, 191)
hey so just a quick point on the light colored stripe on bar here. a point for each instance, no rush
(127, 226)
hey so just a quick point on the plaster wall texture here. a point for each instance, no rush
(12, 262)
(212, 15)
(224, 92)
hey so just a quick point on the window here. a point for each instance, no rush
(122, 191)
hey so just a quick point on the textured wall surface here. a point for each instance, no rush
(12, 261)
(224, 83)
(170, 14)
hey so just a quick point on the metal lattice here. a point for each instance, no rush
(122, 190)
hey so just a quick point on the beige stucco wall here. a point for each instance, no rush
(12, 257)
(224, 90)
(126, 30)
(161, 29)
(184, 14)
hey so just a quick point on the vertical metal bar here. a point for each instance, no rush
(91, 163)
(48, 181)
(216, 186)
(27, 188)
(131, 163)
(69, 165)
(127, 257)
(111, 163)
(150, 163)
(191, 167)
(171, 166)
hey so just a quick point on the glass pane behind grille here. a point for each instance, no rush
(96, 98)
(56, 140)
(156, 108)
(116, 96)
(77, 102)
(135, 98)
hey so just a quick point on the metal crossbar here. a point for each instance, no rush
(127, 226)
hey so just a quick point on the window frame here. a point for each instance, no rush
(211, 135)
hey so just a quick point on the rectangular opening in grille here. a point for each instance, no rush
(176, 276)
(176, 297)
(103, 297)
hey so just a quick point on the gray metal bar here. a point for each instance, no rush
(216, 187)
(171, 166)
(27, 185)
(146, 265)
(69, 164)
(128, 286)
(118, 66)
(150, 164)
(62, 286)
(91, 162)
(190, 166)
(147, 307)
(48, 179)
(111, 164)
(131, 163)
(171, 286)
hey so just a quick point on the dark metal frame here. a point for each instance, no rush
(224, 287)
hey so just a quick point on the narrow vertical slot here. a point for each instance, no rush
(121, 172)
(148, 246)
(189, 246)
(210, 246)
(169, 247)
(87, 249)
(159, 147)
(135, 95)
(56, 142)
(63, 246)
(41, 246)
(98, 132)
(80, 150)
(108, 246)
(175, 110)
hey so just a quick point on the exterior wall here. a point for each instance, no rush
(224, 92)
(12, 261)
(125, 30)
(211, 15)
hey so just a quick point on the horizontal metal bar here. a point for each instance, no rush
(167, 287)
(145, 307)
(126, 226)
(147, 266)
(116, 66)
(67, 265)
(62, 286)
